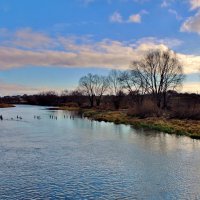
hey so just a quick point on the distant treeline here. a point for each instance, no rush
(184, 104)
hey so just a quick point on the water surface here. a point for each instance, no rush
(75, 158)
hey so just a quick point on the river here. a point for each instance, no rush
(75, 158)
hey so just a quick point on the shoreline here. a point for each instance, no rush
(190, 128)
(3, 105)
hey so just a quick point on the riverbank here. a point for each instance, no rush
(189, 128)
(3, 105)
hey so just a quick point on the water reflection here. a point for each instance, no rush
(70, 157)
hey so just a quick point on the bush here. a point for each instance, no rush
(71, 104)
(147, 108)
(190, 111)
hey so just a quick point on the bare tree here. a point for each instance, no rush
(100, 87)
(134, 84)
(159, 71)
(64, 96)
(115, 87)
(86, 85)
(47, 98)
(94, 87)
(64, 93)
(77, 97)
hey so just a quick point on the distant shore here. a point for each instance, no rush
(189, 128)
(3, 105)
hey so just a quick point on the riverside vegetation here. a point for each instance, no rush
(176, 126)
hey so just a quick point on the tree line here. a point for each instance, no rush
(155, 74)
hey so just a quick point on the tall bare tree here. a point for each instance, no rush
(159, 71)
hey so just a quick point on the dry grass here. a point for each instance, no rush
(65, 108)
(173, 126)
(147, 109)
(189, 128)
(107, 116)
(191, 111)
(3, 105)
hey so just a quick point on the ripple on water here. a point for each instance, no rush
(80, 159)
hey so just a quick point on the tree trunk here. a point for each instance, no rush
(98, 101)
(92, 101)
(159, 100)
(164, 100)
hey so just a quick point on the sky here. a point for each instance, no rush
(49, 44)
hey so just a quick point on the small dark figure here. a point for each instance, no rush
(1, 117)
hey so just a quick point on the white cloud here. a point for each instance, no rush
(16, 89)
(26, 38)
(169, 42)
(192, 24)
(175, 13)
(116, 17)
(194, 4)
(84, 52)
(135, 18)
(7, 89)
(193, 87)
(166, 3)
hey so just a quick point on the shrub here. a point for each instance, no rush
(190, 111)
(71, 104)
(147, 108)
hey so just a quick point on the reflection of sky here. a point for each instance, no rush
(153, 140)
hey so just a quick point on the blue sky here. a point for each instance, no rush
(50, 44)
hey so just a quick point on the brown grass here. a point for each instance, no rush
(173, 126)
(189, 128)
(191, 111)
(148, 108)
(3, 105)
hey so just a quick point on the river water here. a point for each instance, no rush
(75, 158)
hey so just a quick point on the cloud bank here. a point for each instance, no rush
(27, 48)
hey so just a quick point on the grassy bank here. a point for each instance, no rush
(189, 128)
(6, 105)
